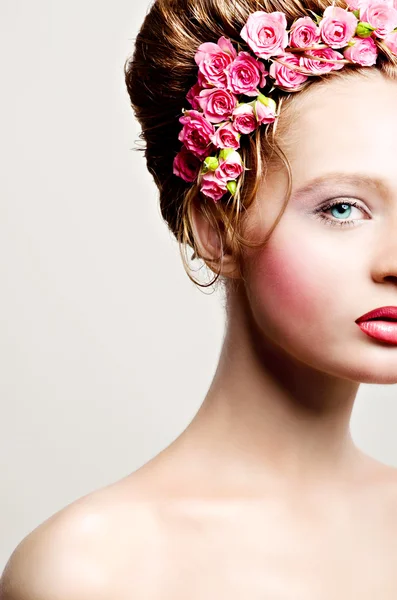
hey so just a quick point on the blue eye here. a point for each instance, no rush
(344, 210)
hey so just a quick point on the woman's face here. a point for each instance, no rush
(325, 267)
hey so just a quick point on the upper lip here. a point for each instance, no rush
(389, 312)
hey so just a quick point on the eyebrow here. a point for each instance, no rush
(355, 179)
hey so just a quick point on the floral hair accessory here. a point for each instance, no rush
(227, 100)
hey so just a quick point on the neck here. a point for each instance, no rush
(270, 419)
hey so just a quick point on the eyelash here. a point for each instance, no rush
(337, 222)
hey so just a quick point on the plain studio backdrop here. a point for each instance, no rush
(107, 349)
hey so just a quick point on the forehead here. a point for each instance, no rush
(347, 126)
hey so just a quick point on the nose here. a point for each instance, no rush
(385, 263)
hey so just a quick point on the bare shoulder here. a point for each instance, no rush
(71, 555)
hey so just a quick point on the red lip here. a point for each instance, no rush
(388, 312)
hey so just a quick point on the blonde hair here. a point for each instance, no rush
(158, 76)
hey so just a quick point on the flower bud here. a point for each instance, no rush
(210, 164)
(225, 152)
(268, 102)
(364, 29)
(232, 186)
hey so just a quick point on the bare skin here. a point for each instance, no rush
(146, 539)
(265, 495)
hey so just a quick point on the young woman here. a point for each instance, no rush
(270, 132)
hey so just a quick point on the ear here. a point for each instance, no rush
(212, 241)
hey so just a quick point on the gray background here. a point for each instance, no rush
(106, 347)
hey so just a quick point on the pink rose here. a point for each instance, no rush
(186, 165)
(381, 15)
(317, 67)
(364, 52)
(353, 4)
(287, 77)
(196, 133)
(304, 32)
(266, 33)
(391, 41)
(337, 26)
(244, 120)
(212, 60)
(361, 4)
(192, 95)
(212, 186)
(226, 137)
(202, 81)
(217, 104)
(245, 74)
(231, 167)
(265, 114)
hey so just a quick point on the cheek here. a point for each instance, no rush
(289, 282)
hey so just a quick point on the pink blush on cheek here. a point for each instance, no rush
(289, 284)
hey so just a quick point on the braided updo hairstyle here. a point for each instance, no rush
(158, 76)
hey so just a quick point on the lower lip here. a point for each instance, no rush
(380, 330)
